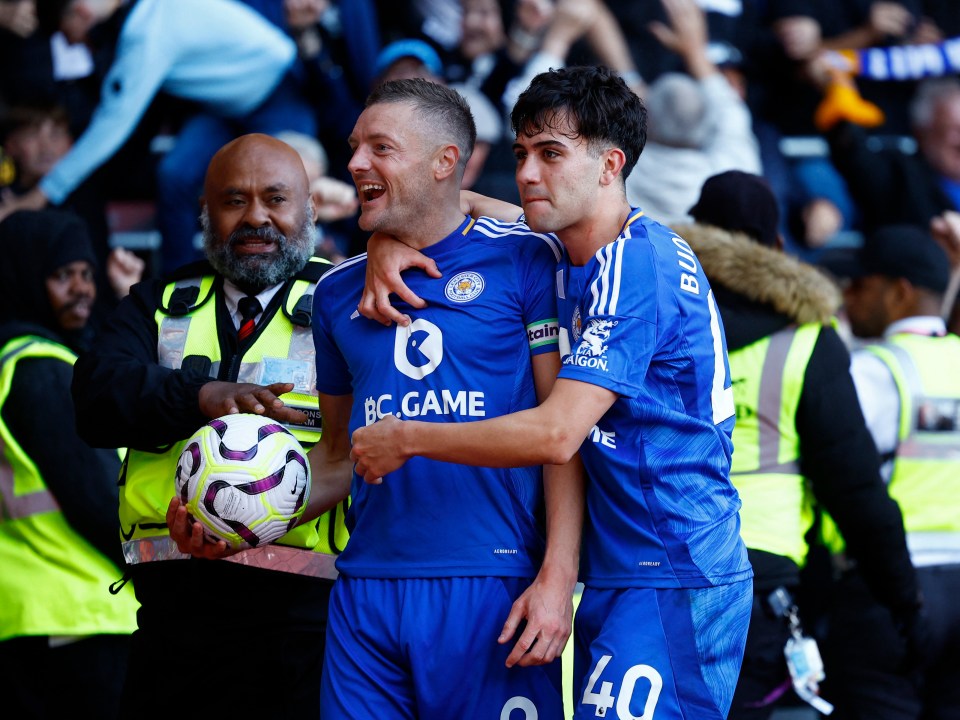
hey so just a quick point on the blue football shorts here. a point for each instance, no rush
(673, 654)
(427, 649)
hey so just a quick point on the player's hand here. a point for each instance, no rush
(386, 258)
(190, 537)
(378, 449)
(219, 398)
(547, 607)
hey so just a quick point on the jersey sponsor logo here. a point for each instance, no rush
(443, 403)
(418, 349)
(464, 287)
(595, 337)
(543, 333)
(592, 350)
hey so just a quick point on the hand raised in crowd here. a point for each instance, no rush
(889, 19)
(19, 17)
(946, 231)
(227, 398)
(799, 35)
(333, 199)
(687, 29)
(124, 270)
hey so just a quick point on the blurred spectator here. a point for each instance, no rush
(36, 138)
(333, 199)
(910, 393)
(337, 42)
(699, 125)
(218, 53)
(18, 16)
(64, 638)
(891, 186)
(412, 58)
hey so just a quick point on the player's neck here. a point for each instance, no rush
(434, 227)
(599, 229)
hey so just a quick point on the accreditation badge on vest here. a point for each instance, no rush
(287, 370)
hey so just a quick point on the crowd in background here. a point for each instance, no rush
(849, 109)
(784, 88)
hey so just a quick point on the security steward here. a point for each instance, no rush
(64, 639)
(909, 388)
(231, 334)
(800, 439)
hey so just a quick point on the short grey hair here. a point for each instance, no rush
(928, 96)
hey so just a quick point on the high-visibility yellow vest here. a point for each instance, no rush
(767, 384)
(926, 472)
(52, 581)
(281, 351)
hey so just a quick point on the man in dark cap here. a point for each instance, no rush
(800, 437)
(909, 390)
(59, 624)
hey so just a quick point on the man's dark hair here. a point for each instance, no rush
(443, 108)
(594, 100)
(31, 116)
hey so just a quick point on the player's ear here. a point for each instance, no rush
(612, 162)
(445, 163)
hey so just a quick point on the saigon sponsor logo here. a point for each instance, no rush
(464, 287)
(592, 350)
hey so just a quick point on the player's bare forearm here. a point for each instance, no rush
(477, 205)
(549, 434)
(547, 605)
(331, 470)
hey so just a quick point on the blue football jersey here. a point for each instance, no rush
(640, 319)
(465, 357)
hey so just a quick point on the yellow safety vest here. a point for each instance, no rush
(52, 582)
(767, 384)
(281, 351)
(926, 472)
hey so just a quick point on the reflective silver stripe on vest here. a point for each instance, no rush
(921, 444)
(270, 557)
(172, 335)
(13, 507)
(769, 403)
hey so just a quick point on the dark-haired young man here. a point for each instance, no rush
(644, 394)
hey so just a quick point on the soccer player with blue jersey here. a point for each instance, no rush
(440, 560)
(644, 395)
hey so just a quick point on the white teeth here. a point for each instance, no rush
(366, 187)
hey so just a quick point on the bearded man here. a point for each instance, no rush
(231, 334)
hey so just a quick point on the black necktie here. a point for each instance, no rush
(249, 308)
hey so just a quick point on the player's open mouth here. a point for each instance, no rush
(371, 191)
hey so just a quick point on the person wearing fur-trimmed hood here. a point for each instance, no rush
(787, 362)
